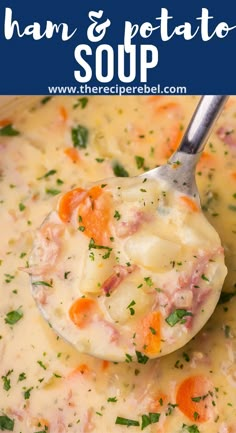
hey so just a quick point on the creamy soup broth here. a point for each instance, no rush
(49, 146)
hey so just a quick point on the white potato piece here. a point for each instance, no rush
(127, 293)
(152, 252)
(96, 271)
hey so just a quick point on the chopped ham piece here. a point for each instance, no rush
(119, 274)
(128, 228)
(48, 247)
(227, 134)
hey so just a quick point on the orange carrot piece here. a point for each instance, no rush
(193, 398)
(40, 422)
(158, 402)
(69, 202)
(82, 311)
(150, 333)
(233, 175)
(72, 153)
(63, 113)
(174, 141)
(190, 203)
(105, 364)
(4, 122)
(94, 212)
(168, 106)
(154, 98)
(80, 369)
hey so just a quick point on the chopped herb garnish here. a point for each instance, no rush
(79, 136)
(27, 393)
(139, 161)
(81, 228)
(117, 215)
(153, 331)
(186, 357)
(22, 376)
(59, 182)
(41, 283)
(141, 358)
(226, 297)
(112, 399)
(52, 191)
(151, 418)
(49, 173)
(148, 281)
(9, 130)
(100, 247)
(191, 428)
(21, 207)
(203, 277)
(126, 421)
(82, 102)
(46, 99)
(99, 159)
(6, 423)
(177, 317)
(7, 381)
(42, 365)
(119, 170)
(66, 275)
(128, 358)
(13, 317)
(132, 311)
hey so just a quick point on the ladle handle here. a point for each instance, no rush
(203, 119)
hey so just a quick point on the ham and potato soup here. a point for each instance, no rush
(127, 267)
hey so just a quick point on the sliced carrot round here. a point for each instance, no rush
(190, 203)
(194, 398)
(69, 203)
(149, 334)
(72, 153)
(82, 311)
(94, 214)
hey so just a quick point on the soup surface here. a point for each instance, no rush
(52, 145)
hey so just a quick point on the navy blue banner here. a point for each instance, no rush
(107, 47)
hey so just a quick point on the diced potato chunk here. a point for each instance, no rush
(96, 271)
(127, 294)
(152, 252)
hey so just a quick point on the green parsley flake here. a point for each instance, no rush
(6, 423)
(126, 421)
(21, 207)
(49, 173)
(7, 381)
(79, 135)
(119, 170)
(117, 215)
(112, 399)
(81, 102)
(141, 358)
(151, 418)
(139, 161)
(177, 316)
(13, 316)
(27, 393)
(9, 130)
(191, 428)
(41, 283)
(52, 191)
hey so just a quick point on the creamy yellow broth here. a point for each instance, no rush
(46, 386)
